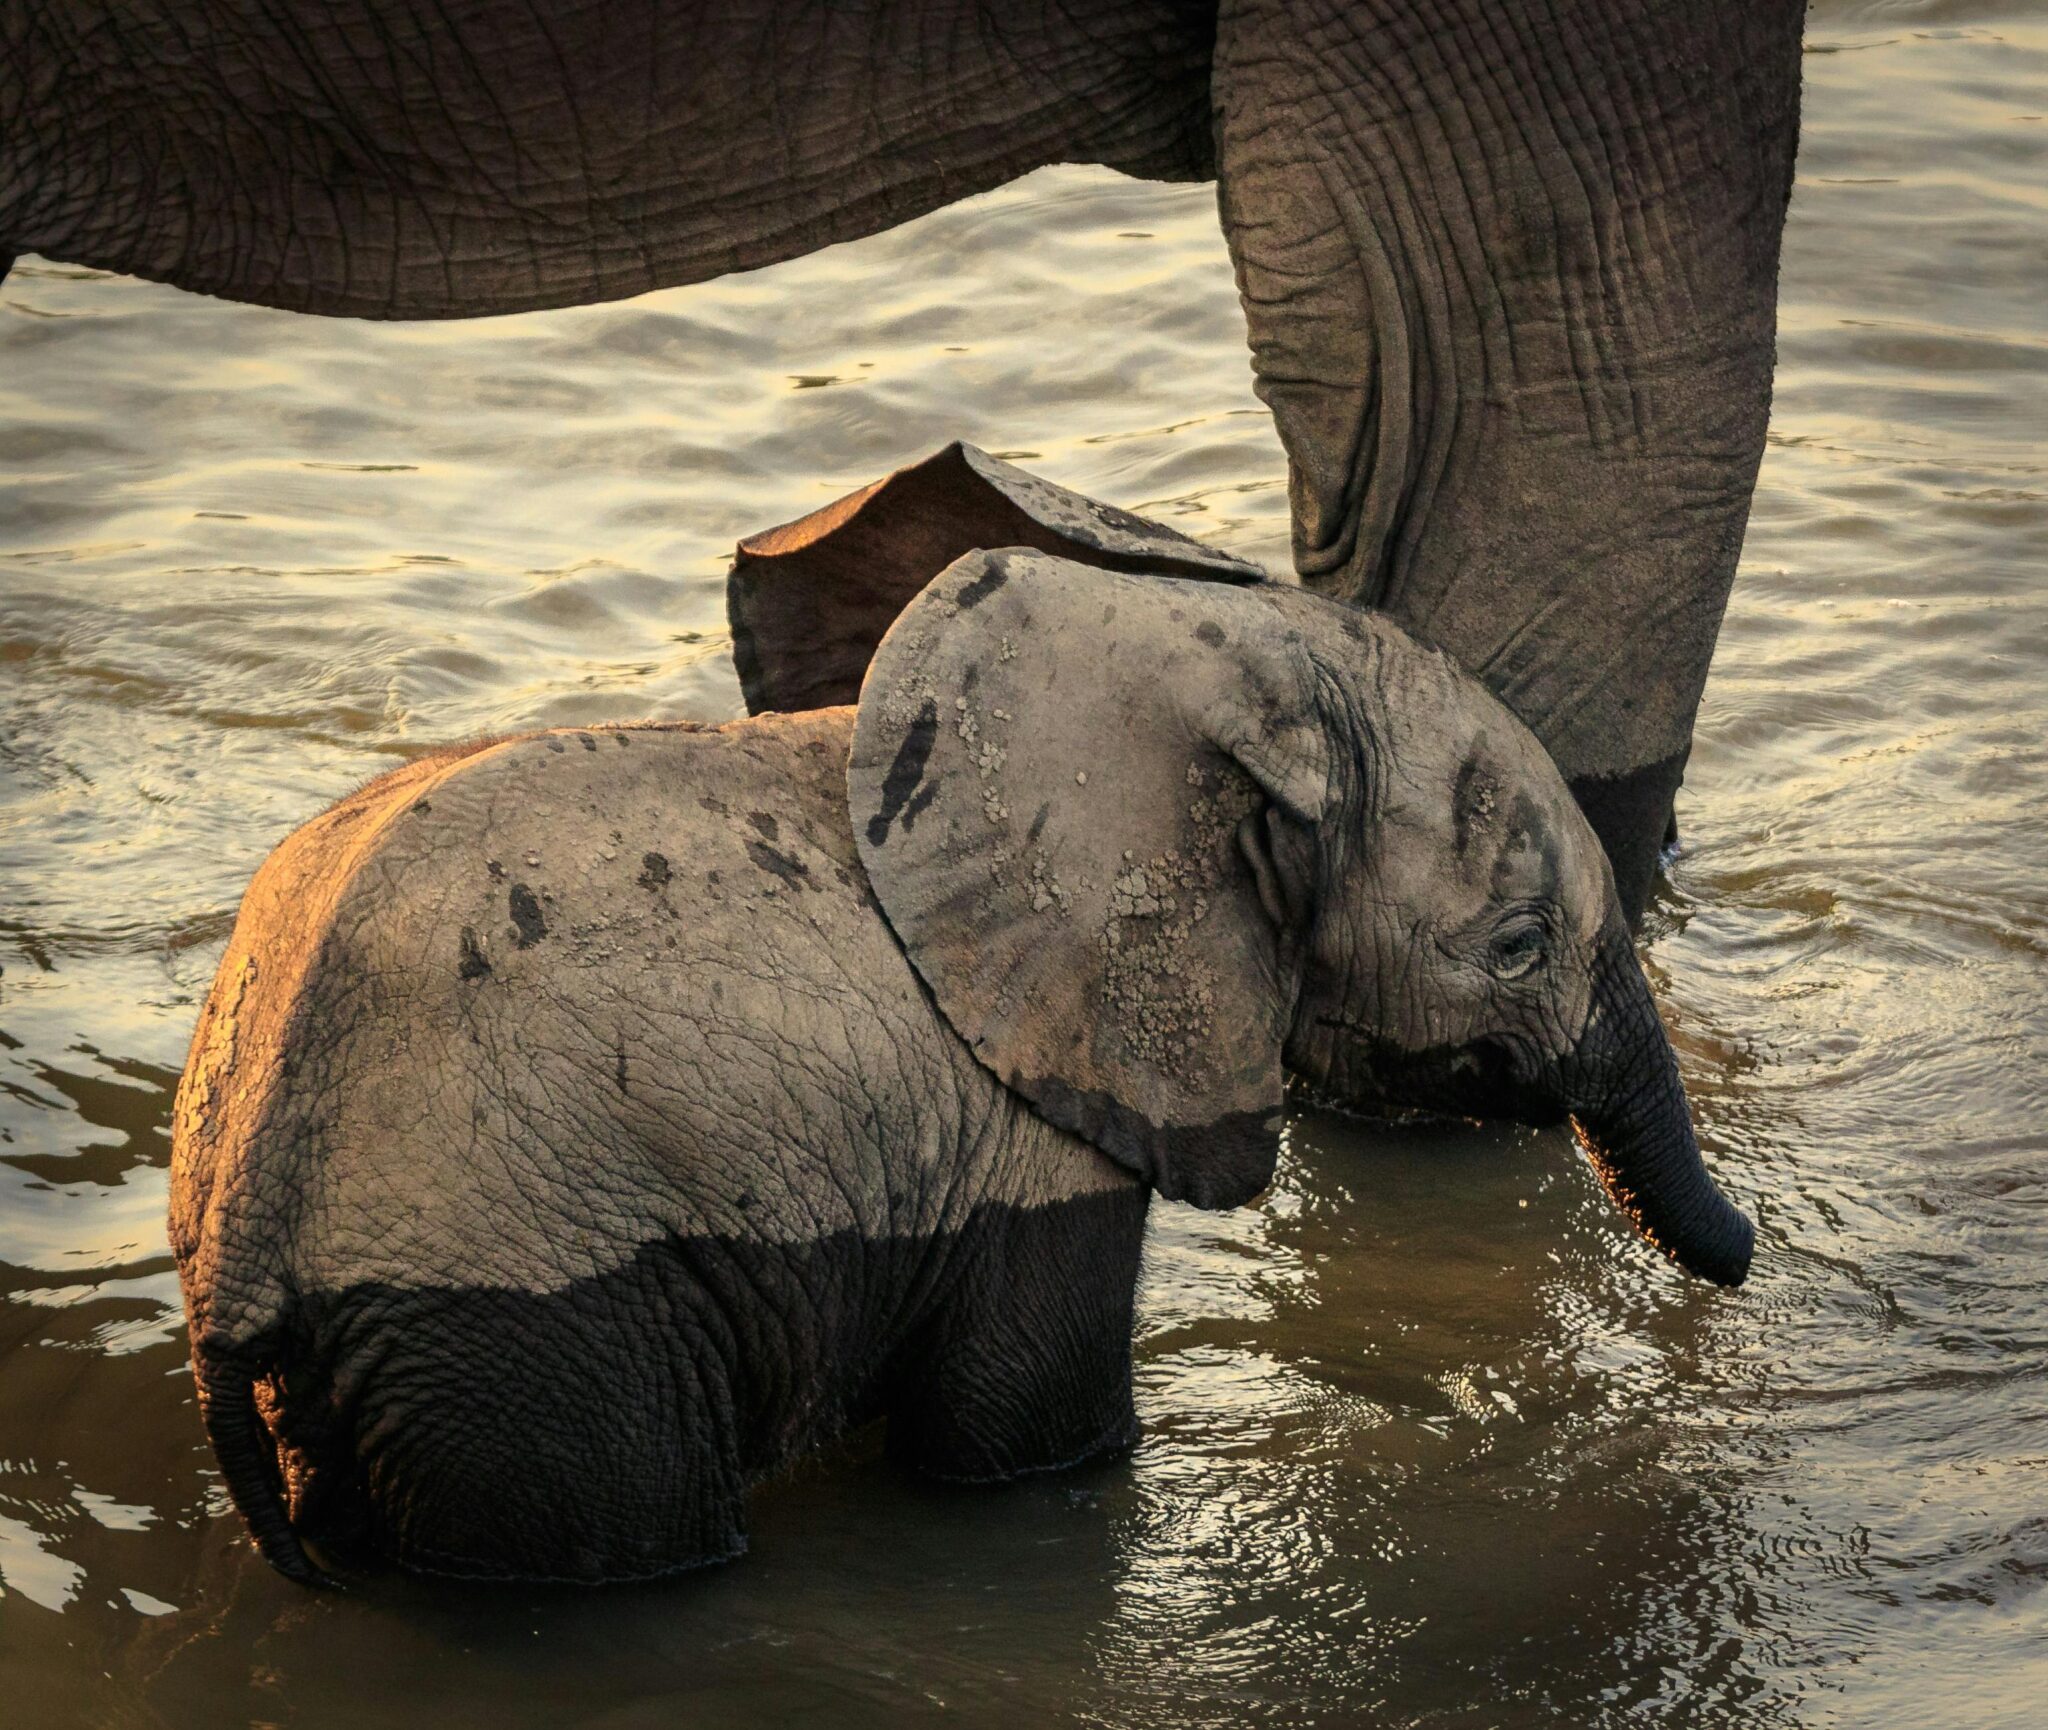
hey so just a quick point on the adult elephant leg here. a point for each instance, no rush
(444, 158)
(1510, 271)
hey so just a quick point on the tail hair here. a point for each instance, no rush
(248, 1459)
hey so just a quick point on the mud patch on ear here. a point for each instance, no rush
(1474, 798)
(990, 580)
(905, 771)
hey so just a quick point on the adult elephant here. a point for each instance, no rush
(1508, 266)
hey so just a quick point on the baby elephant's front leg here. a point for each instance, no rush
(1026, 1366)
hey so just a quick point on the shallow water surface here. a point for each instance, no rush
(1429, 1439)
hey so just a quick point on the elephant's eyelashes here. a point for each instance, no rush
(1517, 950)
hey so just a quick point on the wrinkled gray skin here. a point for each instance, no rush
(582, 1125)
(1508, 266)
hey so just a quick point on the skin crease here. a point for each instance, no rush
(570, 1136)
(1508, 266)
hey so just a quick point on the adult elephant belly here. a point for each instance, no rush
(501, 1142)
(395, 159)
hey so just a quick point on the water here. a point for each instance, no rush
(1429, 1439)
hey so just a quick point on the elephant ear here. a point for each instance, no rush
(1049, 770)
(809, 601)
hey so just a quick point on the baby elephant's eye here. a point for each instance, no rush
(1517, 950)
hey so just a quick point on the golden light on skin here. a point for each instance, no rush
(1618, 1190)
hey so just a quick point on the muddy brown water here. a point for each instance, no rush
(1429, 1440)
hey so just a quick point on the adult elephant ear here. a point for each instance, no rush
(809, 601)
(1050, 767)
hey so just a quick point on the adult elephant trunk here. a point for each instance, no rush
(1628, 1106)
(1510, 273)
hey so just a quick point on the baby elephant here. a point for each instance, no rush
(584, 1124)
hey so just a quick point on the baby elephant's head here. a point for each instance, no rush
(1152, 840)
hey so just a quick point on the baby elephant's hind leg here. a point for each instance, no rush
(584, 1434)
(1027, 1365)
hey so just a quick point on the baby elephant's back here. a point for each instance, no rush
(539, 1098)
(501, 1020)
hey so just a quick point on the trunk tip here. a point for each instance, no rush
(1725, 1257)
(1702, 1231)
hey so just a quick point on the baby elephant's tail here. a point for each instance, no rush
(248, 1456)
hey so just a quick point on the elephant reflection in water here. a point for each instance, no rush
(585, 1123)
(1424, 1406)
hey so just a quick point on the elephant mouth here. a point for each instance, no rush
(1481, 1079)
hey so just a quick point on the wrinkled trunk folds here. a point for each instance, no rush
(1630, 1112)
(1510, 268)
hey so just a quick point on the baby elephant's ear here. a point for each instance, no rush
(809, 601)
(1049, 769)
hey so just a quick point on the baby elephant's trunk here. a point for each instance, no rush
(1629, 1109)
